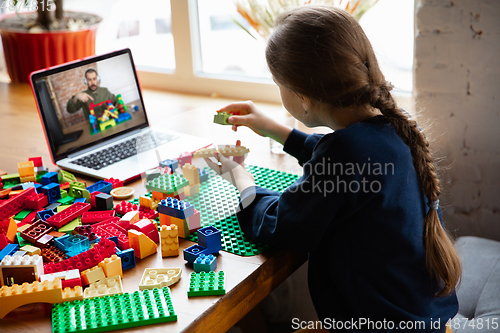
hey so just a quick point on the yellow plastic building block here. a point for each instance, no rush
(27, 179)
(108, 286)
(182, 224)
(26, 169)
(108, 123)
(143, 245)
(191, 173)
(31, 250)
(93, 274)
(37, 292)
(112, 266)
(160, 277)
(169, 240)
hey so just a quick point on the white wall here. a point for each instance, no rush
(457, 81)
(117, 75)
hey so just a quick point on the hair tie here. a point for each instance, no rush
(433, 204)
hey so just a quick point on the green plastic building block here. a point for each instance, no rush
(69, 227)
(114, 312)
(65, 177)
(22, 214)
(221, 118)
(167, 183)
(66, 200)
(206, 284)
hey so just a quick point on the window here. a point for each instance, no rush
(142, 26)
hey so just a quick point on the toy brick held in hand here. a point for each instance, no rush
(227, 151)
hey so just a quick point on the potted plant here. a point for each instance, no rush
(261, 15)
(46, 36)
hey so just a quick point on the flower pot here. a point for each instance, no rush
(27, 52)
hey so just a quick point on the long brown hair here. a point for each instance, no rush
(322, 52)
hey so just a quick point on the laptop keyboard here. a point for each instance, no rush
(123, 150)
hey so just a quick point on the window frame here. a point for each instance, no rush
(187, 76)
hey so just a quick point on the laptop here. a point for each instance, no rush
(94, 119)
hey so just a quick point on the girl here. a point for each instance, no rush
(366, 208)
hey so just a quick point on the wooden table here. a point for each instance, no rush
(248, 279)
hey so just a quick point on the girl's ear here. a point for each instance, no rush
(306, 102)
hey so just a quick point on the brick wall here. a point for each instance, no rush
(66, 85)
(457, 85)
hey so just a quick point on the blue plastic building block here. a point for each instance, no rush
(49, 177)
(192, 252)
(123, 117)
(205, 263)
(28, 185)
(114, 312)
(203, 175)
(100, 186)
(210, 237)
(72, 245)
(172, 164)
(38, 188)
(82, 200)
(9, 250)
(176, 208)
(52, 191)
(128, 257)
(45, 214)
(115, 240)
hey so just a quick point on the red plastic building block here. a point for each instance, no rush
(37, 161)
(64, 186)
(14, 205)
(116, 182)
(30, 217)
(69, 214)
(3, 241)
(85, 260)
(36, 230)
(111, 229)
(99, 216)
(144, 213)
(36, 201)
(92, 197)
(185, 158)
(148, 228)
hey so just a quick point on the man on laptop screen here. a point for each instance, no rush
(102, 131)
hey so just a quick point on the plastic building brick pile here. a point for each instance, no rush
(114, 312)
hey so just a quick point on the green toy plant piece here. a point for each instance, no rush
(114, 312)
(206, 284)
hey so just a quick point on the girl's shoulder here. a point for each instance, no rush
(372, 136)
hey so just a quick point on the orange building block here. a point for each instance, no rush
(37, 292)
(9, 228)
(112, 266)
(143, 245)
(158, 195)
(169, 241)
(26, 169)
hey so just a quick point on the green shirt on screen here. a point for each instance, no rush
(99, 95)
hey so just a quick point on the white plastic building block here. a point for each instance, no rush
(108, 286)
(160, 277)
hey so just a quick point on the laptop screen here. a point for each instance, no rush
(89, 101)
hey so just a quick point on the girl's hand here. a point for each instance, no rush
(231, 171)
(247, 114)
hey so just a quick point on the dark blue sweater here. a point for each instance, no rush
(360, 218)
